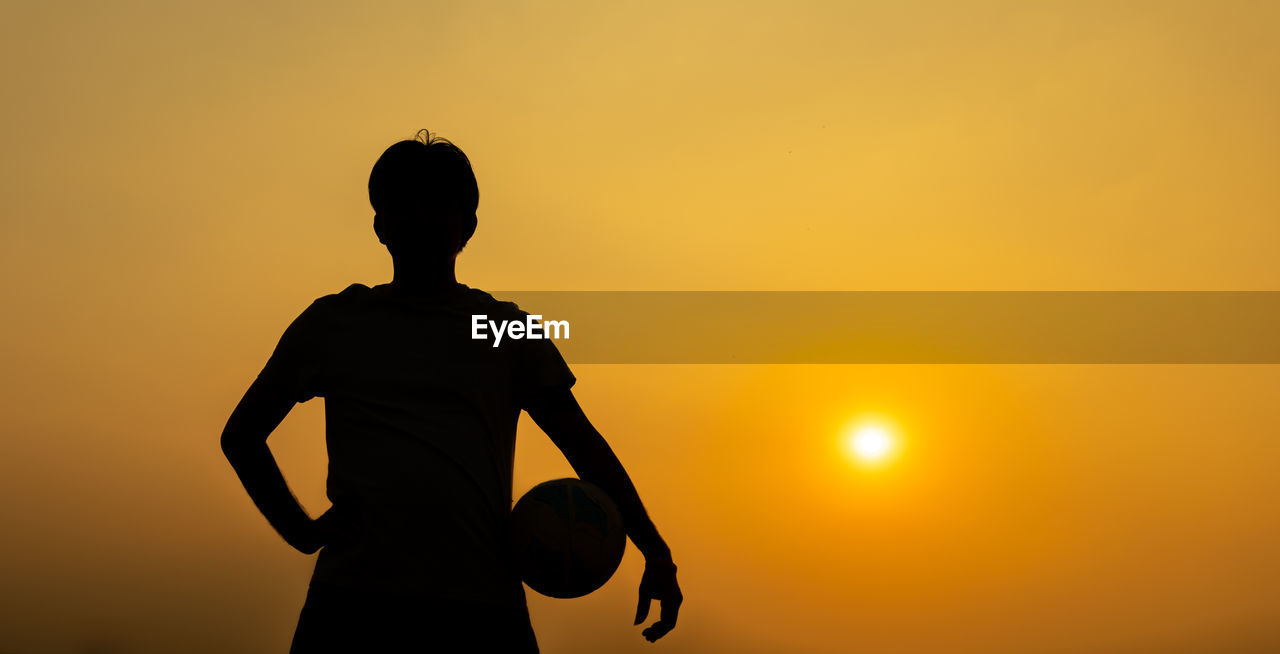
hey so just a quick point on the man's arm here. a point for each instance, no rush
(244, 442)
(558, 414)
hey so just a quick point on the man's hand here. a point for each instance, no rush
(659, 583)
(332, 528)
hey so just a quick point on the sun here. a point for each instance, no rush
(870, 443)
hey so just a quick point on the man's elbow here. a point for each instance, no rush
(229, 444)
(233, 442)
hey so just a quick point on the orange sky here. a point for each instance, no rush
(180, 182)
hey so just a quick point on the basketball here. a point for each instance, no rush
(568, 537)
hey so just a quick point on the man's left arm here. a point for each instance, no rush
(244, 442)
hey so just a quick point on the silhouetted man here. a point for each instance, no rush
(421, 426)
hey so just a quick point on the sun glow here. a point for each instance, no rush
(870, 443)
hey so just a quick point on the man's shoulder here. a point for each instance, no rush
(337, 303)
(482, 302)
(353, 292)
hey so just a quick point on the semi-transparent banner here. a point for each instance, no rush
(1135, 327)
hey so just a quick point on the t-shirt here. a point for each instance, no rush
(420, 427)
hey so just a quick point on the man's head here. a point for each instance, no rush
(424, 198)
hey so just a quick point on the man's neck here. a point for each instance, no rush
(416, 278)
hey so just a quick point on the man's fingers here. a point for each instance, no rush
(670, 608)
(657, 630)
(642, 609)
(334, 528)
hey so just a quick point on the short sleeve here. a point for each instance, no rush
(298, 363)
(539, 368)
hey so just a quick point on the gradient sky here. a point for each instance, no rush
(180, 181)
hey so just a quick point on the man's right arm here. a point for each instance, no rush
(558, 414)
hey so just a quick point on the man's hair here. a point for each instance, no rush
(426, 178)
